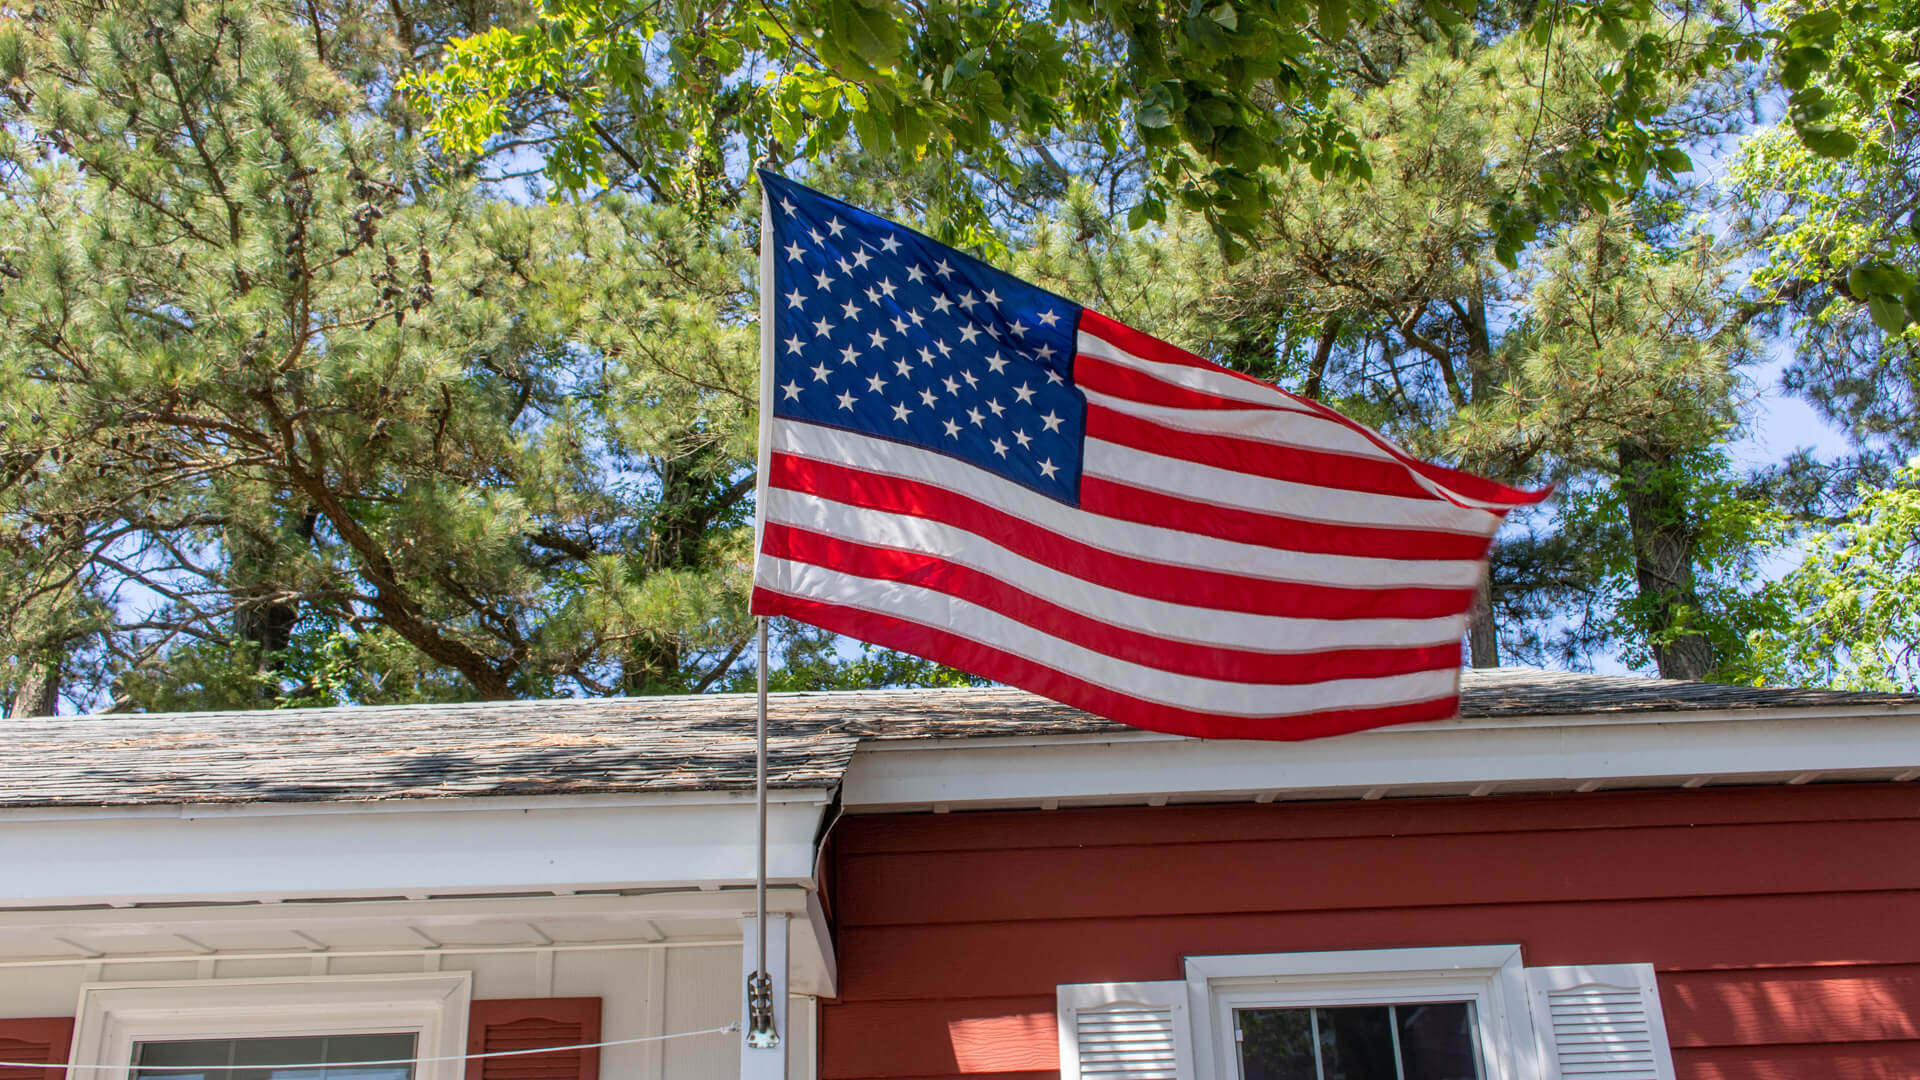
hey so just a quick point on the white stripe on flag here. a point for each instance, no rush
(1174, 622)
(942, 612)
(1264, 495)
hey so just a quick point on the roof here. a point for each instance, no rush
(657, 744)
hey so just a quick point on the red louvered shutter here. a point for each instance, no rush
(526, 1023)
(44, 1039)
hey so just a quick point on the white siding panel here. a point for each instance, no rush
(703, 991)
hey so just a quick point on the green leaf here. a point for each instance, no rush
(1888, 314)
(1673, 159)
(1207, 35)
(866, 32)
(1814, 26)
(1440, 13)
(1828, 140)
(1333, 19)
(1878, 279)
(1216, 111)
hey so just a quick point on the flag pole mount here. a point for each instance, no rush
(761, 1034)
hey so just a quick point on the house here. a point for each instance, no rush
(1579, 876)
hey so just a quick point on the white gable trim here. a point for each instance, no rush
(1446, 758)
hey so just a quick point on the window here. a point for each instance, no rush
(241, 1029)
(265, 1059)
(1467, 1013)
(1423, 1041)
(1381, 1014)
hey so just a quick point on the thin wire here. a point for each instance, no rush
(735, 1026)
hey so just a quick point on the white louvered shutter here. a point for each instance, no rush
(1600, 1021)
(1125, 1031)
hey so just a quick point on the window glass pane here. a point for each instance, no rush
(1356, 1043)
(1276, 1044)
(270, 1059)
(1436, 1041)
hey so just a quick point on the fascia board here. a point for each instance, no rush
(105, 858)
(1555, 721)
(1539, 754)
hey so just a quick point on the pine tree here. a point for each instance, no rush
(286, 416)
(1607, 362)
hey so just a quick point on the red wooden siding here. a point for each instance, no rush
(1784, 922)
(45, 1039)
(527, 1023)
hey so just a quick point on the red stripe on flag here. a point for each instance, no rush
(1133, 646)
(1147, 347)
(948, 648)
(1321, 468)
(1142, 577)
(1118, 380)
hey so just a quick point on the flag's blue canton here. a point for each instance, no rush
(880, 330)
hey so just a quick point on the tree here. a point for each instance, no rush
(1610, 353)
(1849, 615)
(281, 418)
(1835, 213)
(1219, 100)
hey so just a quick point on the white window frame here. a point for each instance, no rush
(113, 1017)
(1490, 976)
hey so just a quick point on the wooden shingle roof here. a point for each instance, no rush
(659, 744)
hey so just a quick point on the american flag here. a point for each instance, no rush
(963, 466)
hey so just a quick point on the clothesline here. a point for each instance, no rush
(735, 1026)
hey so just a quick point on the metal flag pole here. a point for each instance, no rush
(761, 1033)
(760, 1029)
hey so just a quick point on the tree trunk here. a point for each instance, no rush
(265, 621)
(1483, 640)
(1663, 551)
(1483, 635)
(38, 693)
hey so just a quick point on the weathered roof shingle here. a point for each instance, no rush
(641, 744)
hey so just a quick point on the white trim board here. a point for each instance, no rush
(94, 858)
(1424, 759)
